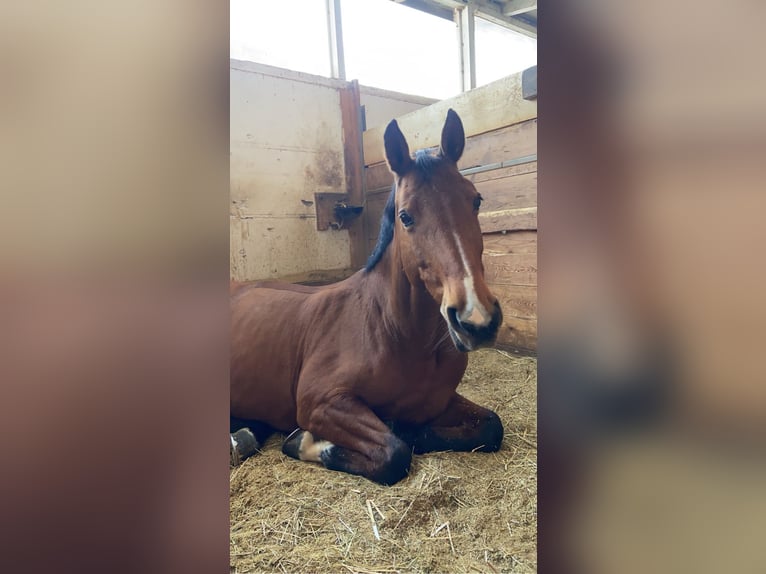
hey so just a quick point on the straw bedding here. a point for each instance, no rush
(456, 512)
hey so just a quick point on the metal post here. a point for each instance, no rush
(335, 37)
(464, 18)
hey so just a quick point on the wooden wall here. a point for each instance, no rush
(285, 145)
(291, 137)
(381, 106)
(500, 126)
(294, 135)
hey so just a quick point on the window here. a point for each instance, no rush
(386, 45)
(290, 35)
(501, 52)
(398, 48)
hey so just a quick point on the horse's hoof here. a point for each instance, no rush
(292, 444)
(243, 445)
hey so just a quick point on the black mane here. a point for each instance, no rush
(425, 164)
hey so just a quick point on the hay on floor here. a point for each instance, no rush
(456, 512)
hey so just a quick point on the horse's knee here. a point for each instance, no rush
(243, 445)
(396, 465)
(491, 434)
(387, 465)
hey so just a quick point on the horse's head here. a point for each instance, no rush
(437, 234)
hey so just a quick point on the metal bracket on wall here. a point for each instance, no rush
(501, 164)
(334, 212)
(529, 83)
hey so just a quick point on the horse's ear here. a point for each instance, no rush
(453, 137)
(397, 150)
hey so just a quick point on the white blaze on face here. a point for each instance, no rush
(474, 312)
(311, 450)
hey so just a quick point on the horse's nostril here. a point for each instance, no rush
(452, 315)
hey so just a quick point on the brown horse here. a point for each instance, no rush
(367, 368)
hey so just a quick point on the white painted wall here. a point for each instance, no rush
(382, 106)
(286, 144)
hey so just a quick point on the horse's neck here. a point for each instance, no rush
(412, 315)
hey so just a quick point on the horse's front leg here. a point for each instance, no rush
(343, 434)
(463, 426)
(246, 437)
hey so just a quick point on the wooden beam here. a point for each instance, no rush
(485, 9)
(335, 38)
(466, 37)
(510, 262)
(517, 335)
(430, 7)
(518, 219)
(490, 11)
(513, 7)
(484, 109)
(350, 109)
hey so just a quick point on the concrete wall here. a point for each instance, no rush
(286, 144)
(382, 106)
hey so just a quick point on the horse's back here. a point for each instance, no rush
(239, 287)
(265, 351)
(271, 325)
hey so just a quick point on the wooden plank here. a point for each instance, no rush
(285, 74)
(521, 218)
(484, 109)
(508, 142)
(394, 95)
(508, 193)
(350, 109)
(517, 335)
(516, 300)
(378, 177)
(492, 147)
(515, 242)
(379, 109)
(518, 269)
(502, 172)
(510, 262)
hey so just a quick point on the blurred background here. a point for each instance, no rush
(652, 399)
(113, 275)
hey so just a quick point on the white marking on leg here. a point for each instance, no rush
(234, 455)
(474, 312)
(311, 450)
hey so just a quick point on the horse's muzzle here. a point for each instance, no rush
(468, 336)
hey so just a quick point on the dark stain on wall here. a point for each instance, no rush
(327, 170)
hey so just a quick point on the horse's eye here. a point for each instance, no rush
(406, 219)
(477, 202)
